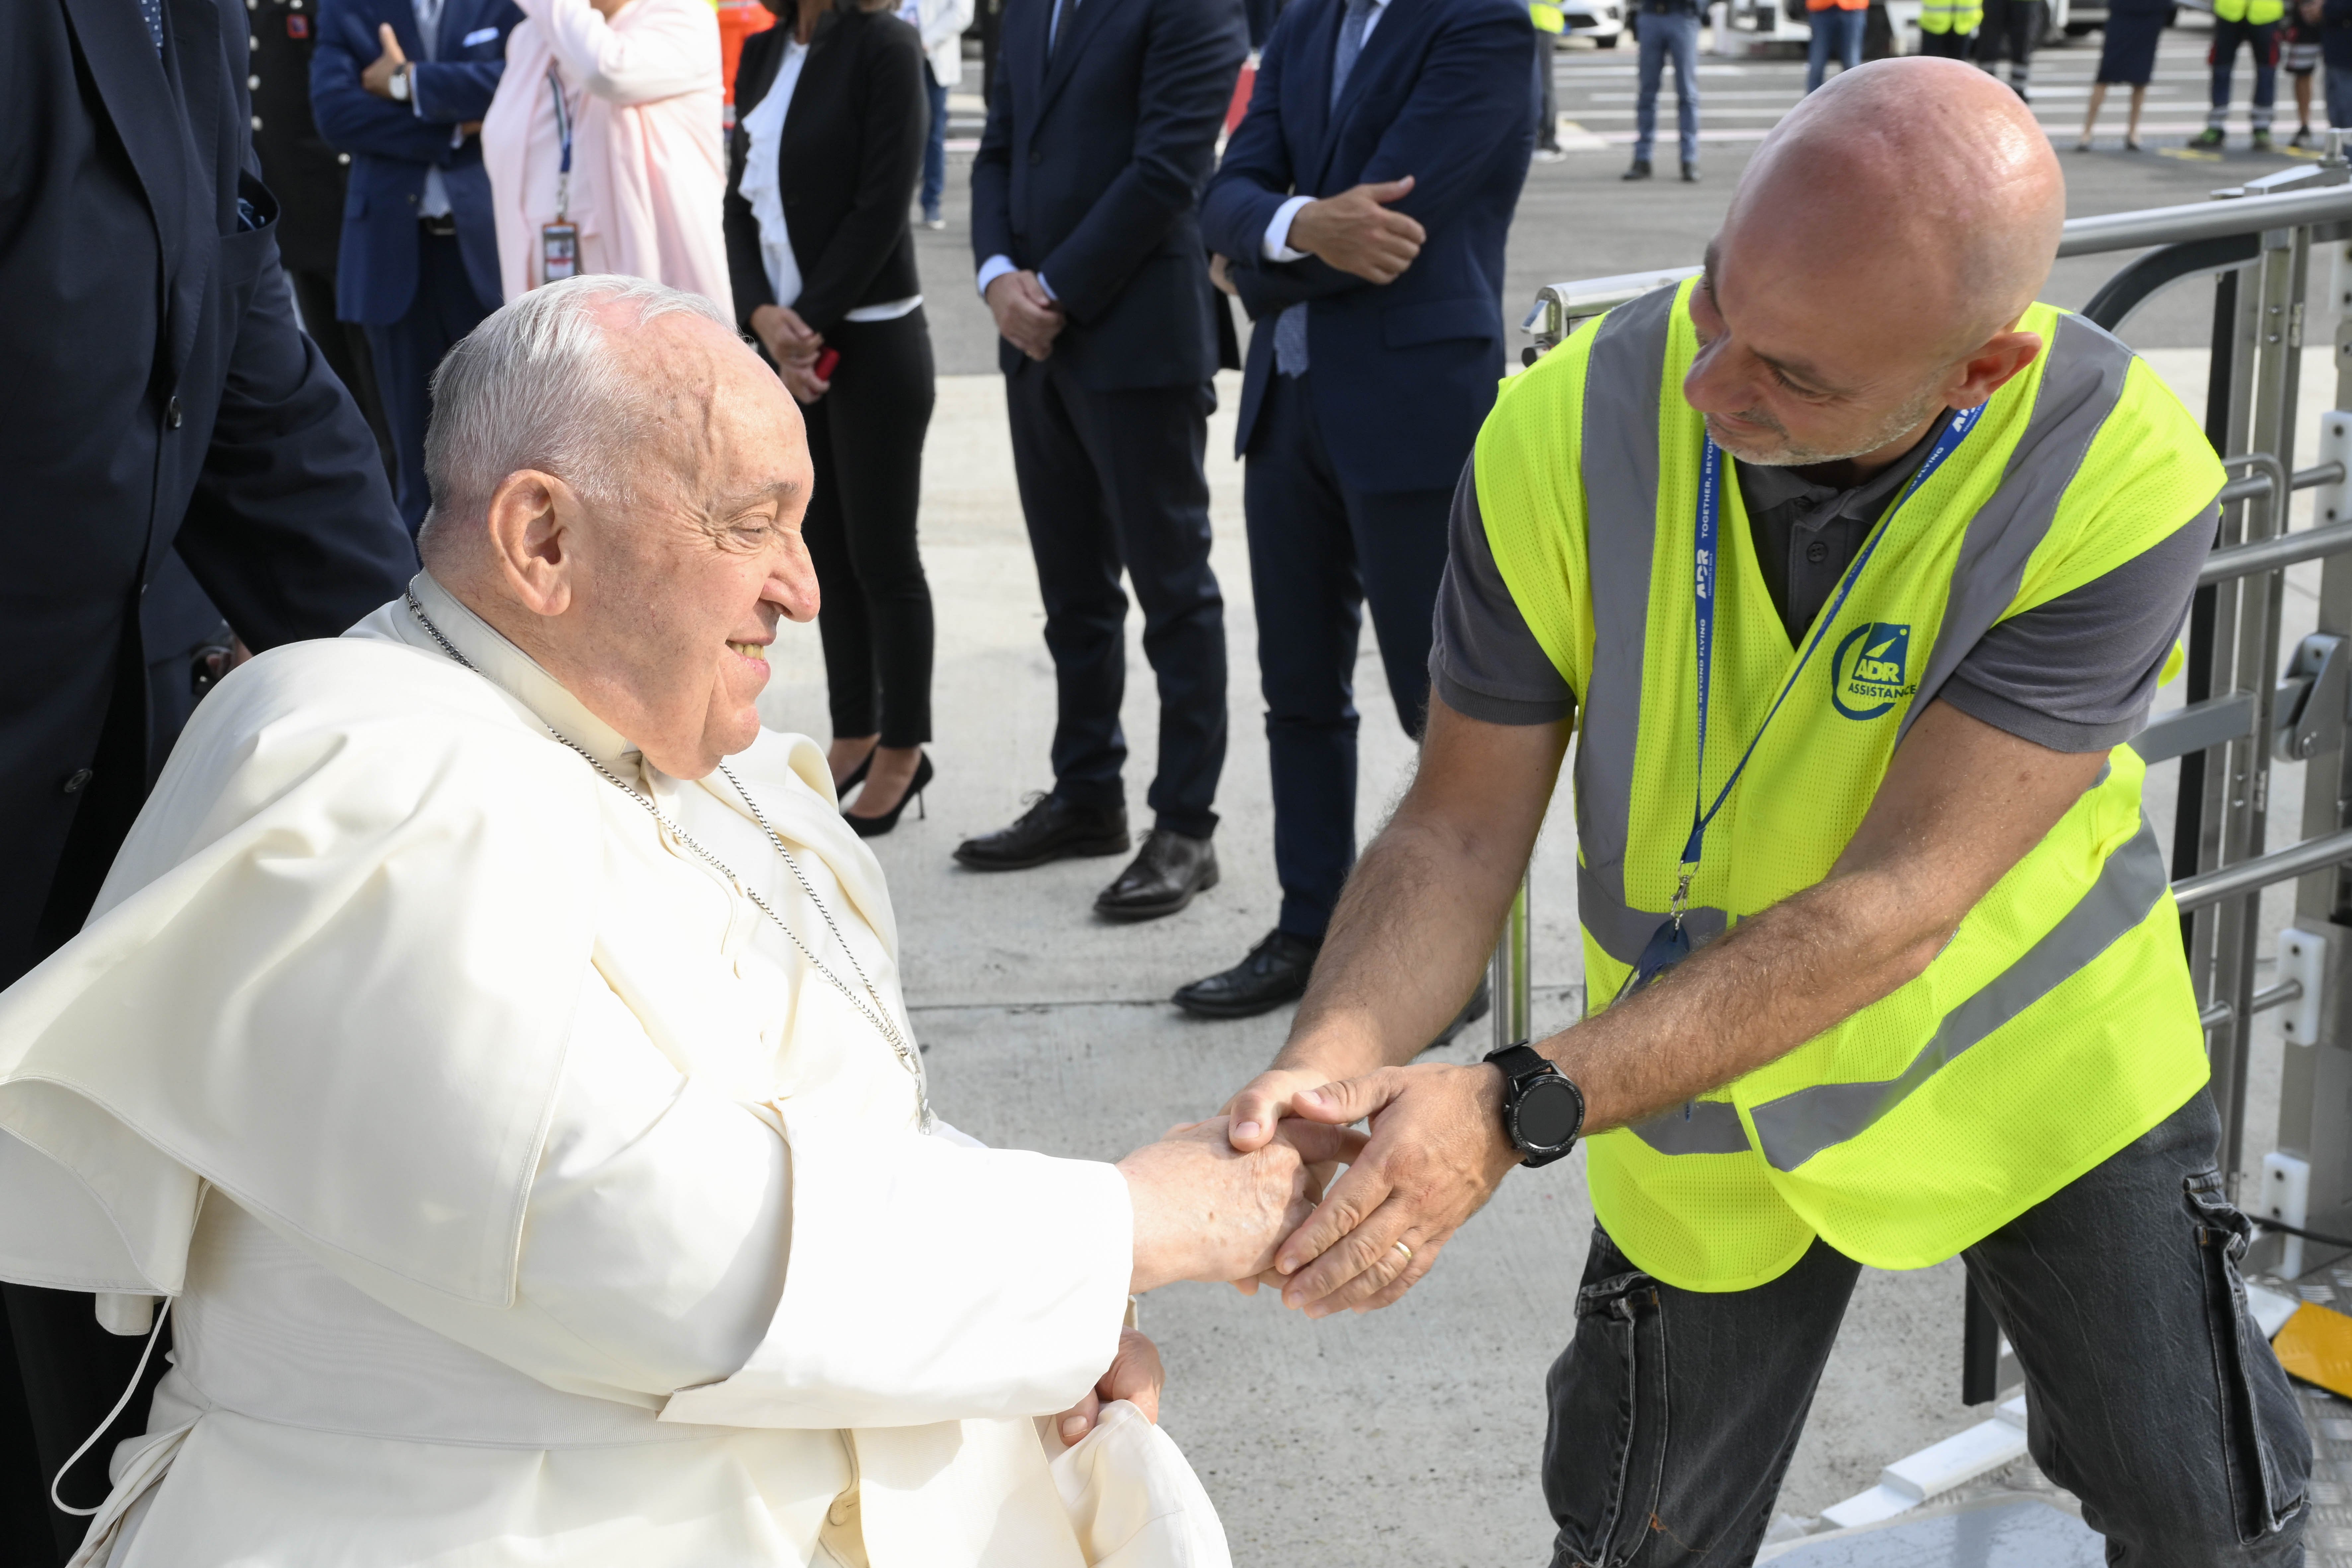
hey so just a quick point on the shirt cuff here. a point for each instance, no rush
(1277, 243)
(994, 267)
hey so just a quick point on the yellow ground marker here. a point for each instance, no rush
(2316, 1346)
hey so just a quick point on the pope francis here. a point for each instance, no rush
(490, 1046)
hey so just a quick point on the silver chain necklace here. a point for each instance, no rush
(877, 1015)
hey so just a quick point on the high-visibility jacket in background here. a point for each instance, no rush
(1837, 4)
(2257, 12)
(1961, 17)
(2058, 1024)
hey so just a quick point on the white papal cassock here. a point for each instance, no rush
(523, 1194)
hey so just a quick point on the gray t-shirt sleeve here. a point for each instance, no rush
(1482, 660)
(2077, 673)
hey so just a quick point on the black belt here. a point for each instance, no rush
(444, 226)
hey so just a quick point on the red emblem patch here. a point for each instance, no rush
(298, 26)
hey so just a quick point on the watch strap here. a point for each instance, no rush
(1521, 1061)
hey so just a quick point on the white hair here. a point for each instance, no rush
(539, 385)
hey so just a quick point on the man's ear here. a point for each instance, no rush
(533, 525)
(1987, 370)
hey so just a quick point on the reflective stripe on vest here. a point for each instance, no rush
(2257, 12)
(1962, 16)
(2058, 1024)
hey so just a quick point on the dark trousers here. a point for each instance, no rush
(865, 438)
(62, 1375)
(1112, 480)
(344, 345)
(935, 151)
(445, 309)
(2260, 40)
(1320, 549)
(2010, 28)
(1948, 45)
(2150, 1393)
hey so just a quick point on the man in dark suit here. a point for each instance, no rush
(1359, 214)
(173, 406)
(401, 85)
(1101, 128)
(308, 178)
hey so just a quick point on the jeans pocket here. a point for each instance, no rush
(2263, 1448)
(1605, 1453)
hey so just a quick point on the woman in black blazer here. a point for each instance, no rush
(832, 113)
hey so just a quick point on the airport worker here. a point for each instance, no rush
(1949, 27)
(1856, 567)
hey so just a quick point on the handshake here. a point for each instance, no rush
(1254, 1196)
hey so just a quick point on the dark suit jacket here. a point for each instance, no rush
(1090, 171)
(175, 404)
(392, 145)
(1402, 375)
(852, 152)
(305, 175)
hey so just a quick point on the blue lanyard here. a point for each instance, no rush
(1705, 565)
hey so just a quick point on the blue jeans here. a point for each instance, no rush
(1833, 29)
(935, 151)
(1673, 34)
(2149, 1393)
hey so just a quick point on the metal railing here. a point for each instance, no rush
(2258, 245)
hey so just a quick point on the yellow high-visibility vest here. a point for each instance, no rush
(2255, 11)
(2058, 1024)
(1961, 17)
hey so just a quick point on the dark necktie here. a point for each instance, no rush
(1290, 327)
(151, 13)
(1054, 31)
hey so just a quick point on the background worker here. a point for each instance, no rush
(1360, 214)
(940, 25)
(2335, 55)
(1837, 27)
(2300, 53)
(2126, 55)
(1947, 28)
(1086, 226)
(401, 85)
(2012, 28)
(1958, 529)
(1668, 31)
(2253, 24)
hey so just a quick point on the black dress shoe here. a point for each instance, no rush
(1690, 174)
(1048, 830)
(1640, 171)
(1162, 878)
(1481, 1000)
(1275, 972)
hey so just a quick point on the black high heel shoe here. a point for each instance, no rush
(875, 827)
(856, 775)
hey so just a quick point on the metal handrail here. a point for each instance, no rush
(2249, 876)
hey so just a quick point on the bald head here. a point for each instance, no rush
(1926, 179)
(1878, 253)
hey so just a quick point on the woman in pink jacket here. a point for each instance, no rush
(626, 93)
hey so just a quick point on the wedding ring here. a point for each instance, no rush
(1400, 1246)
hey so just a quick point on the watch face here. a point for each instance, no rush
(1548, 1114)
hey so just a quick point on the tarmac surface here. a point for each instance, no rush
(1414, 1435)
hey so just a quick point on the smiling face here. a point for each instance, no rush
(656, 606)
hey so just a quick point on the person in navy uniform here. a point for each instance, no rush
(401, 87)
(176, 436)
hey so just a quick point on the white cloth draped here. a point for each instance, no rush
(527, 1196)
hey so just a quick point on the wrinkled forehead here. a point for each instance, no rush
(712, 417)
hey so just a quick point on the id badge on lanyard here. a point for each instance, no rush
(1670, 944)
(559, 242)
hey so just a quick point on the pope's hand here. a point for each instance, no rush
(1135, 1375)
(1437, 1153)
(1205, 1210)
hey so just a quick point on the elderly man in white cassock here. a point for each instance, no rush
(489, 1043)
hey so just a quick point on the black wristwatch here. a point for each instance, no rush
(1543, 1112)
